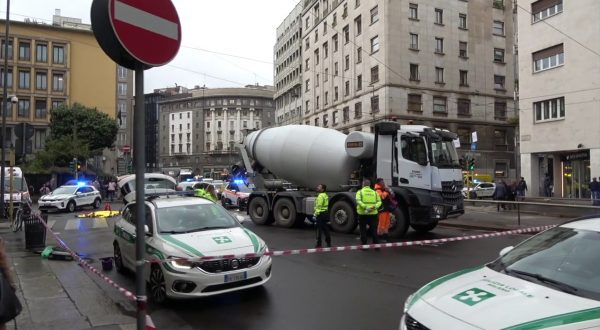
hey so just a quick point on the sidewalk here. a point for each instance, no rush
(59, 294)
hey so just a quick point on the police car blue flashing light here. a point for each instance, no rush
(189, 179)
(238, 181)
(80, 183)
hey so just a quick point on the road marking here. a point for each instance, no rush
(99, 223)
(72, 224)
(51, 223)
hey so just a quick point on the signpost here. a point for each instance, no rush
(138, 35)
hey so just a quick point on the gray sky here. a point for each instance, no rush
(238, 27)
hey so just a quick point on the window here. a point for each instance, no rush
(439, 75)
(122, 72)
(500, 137)
(326, 75)
(336, 94)
(324, 28)
(307, 43)
(462, 21)
(347, 88)
(58, 54)
(316, 35)
(374, 14)
(24, 50)
(41, 80)
(347, 62)
(40, 138)
(346, 114)
(499, 82)
(335, 69)
(325, 50)
(359, 55)
(356, 3)
(439, 45)
(545, 8)
(346, 32)
(500, 168)
(23, 109)
(326, 98)
(316, 57)
(345, 11)
(439, 16)
(498, 55)
(358, 25)
(548, 58)
(464, 107)
(414, 72)
(375, 74)
(317, 121)
(24, 79)
(413, 149)
(439, 104)
(415, 103)
(57, 104)
(306, 107)
(359, 82)
(462, 49)
(414, 41)
(123, 89)
(374, 44)
(551, 109)
(413, 10)
(500, 110)
(58, 82)
(325, 120)
(9, 81)
(41, 52)
(463, 77)
(10, 49)
(317, 102)
(498, 28)
(334, 118)
(357, 110)
(334, 40)
(317, 80)
(464, 135)
(307, 85)
(40, 109)
(375, 104)
(334, 20)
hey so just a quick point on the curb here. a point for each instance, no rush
(478, 227)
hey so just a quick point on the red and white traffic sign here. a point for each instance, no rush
(149, 30)
(126, 149)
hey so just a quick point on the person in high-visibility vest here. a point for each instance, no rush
(368, 203)
(322, 215)
(200, 190)
(210, 193)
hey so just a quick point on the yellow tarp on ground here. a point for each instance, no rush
(99, 214)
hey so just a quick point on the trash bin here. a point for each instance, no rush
(35, 232)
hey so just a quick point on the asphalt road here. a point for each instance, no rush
(340, 290)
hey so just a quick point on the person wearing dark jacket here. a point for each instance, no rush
(595, 189)
(500, 194)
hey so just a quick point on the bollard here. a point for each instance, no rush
(519, 214)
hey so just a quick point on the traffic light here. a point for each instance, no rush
(472, 165)
(72, 166)
(78, 166)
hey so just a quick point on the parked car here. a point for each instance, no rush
(481, 190)
(551, 280)
(13, 178)
(182, 227)
(70, 197)
(153, 183)
(235, 194)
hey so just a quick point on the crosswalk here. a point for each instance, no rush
(81, 224)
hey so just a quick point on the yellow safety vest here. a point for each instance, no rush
(367, 197)
(322, 203)
(200, 193)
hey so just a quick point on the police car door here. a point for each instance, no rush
(413, 163)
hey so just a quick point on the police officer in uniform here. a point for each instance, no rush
(200, 190)
(322, 215)
(368, 203)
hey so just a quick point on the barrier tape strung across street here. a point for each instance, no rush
(140, 303)
(356, 247)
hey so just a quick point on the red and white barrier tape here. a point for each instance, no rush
(356, 247)
(130, 295)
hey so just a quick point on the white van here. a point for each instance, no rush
(153, 183)
(20, 190)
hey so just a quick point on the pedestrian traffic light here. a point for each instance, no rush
(472, 164)
(78, 166)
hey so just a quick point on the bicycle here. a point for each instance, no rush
(23, 211)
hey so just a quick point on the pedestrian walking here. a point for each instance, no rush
(368, 203)
(10, 306)
(548, 185)
(112, 187)
(521, 188)
(511, 194)
(384, 217)
(500, 194)
(595, 189)
(321, 214)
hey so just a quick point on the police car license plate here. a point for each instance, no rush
(235, 277)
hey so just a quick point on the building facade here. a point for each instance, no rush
(287, 70)
(447, 64)
(558, 96)
(199, 129)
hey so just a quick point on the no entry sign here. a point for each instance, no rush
(146, 32)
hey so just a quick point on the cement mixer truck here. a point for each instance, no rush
(419, 163)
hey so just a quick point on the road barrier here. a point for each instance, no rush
(357, 247)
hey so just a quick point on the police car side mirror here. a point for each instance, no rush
(506, 250)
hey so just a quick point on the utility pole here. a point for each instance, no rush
(4, 110)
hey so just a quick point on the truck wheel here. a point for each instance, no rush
(259, 211)
(398, 224)
(424, 228)
(342, 217)
(284, 213)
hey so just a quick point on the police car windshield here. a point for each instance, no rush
(562, 258)
(69, 190)
(192, 218)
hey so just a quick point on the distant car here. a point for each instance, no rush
(153, 183)
(481, 190)
(235, 194)
(550, 281)
(186, 185)
(184, 227)
(70, 197)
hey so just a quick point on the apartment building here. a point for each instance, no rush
(287, 70)
(559, 95)
(199, 129)
(447, 64)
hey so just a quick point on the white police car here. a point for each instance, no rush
(69, 197)
(184, 227)
(550, 281)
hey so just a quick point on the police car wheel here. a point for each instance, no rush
(157, 286)
(96, 204)
(224, 202)
(71, 206)
(118, 258)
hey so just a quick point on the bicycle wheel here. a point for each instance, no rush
(17, 221)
